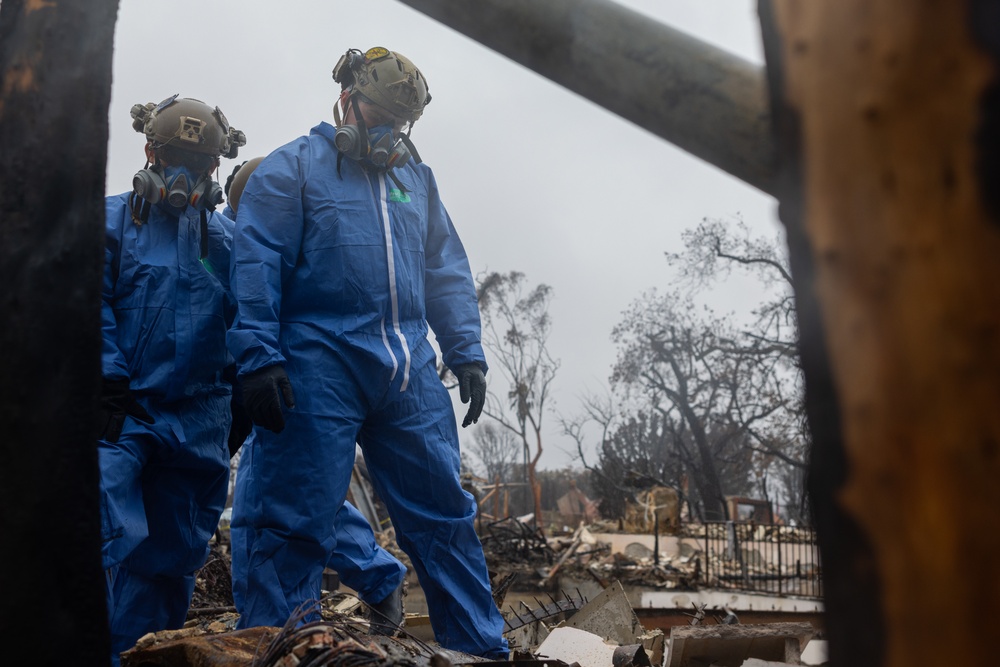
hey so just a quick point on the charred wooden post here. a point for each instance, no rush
(55, 88)
(888, 124)
(702, 99)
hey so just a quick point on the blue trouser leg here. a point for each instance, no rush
(182, 481)
(134, 615)
(289, 491)
(123, 514)
(298, 480)
(238, 529)
(361, 563)
(412, 451)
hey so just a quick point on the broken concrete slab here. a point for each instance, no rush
(571, 645)
(610, 616)
(815, 653)
(732, 645)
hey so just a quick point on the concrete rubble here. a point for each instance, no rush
(734, 645)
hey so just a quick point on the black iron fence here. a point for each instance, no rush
(762, 558)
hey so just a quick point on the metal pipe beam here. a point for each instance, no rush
(700, 98)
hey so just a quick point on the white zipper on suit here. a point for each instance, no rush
(383, 199)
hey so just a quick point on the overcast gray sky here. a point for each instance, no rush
(536, 179)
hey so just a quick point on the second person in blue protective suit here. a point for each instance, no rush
(343, 255)
(374, 573)
(165, 407)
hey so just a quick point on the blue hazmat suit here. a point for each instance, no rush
(164, 317)
(360, 562)
(358, 559)
(337, 273)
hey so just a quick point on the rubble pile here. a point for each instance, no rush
(510, 544)
(725, 555)
(559, 630)
(213, 587)
(563, 631)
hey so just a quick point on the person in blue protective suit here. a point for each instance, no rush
(165, 406)
(374, 573)
(343, 256)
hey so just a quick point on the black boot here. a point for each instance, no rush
(387, 615)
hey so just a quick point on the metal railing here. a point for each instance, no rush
(761, 558)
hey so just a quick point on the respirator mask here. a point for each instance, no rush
(177, 187)
(377, 147)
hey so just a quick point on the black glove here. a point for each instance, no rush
(471, 387)
(262, 394)
(117, 402)
(242, 425)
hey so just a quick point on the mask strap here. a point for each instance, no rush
(360, 120)
(142, 216)
(336, 113)
(405, 138)
(395, 179)
(132, 198)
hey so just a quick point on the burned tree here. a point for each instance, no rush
(516, 329)
(497, 449)
(636, 455)
(716, 251)
(55, 87)
(711, 385)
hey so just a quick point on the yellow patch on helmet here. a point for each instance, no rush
(376, 53)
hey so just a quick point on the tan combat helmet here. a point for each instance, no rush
(235, 189)
(385, 78)
(188, 124)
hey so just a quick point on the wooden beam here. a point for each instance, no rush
(55, 88)
(883, 118)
